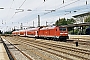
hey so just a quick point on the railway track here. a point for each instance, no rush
(80, 41)
(15, 51)
(24, 48)
(59, 46)
(38, 47)
(74, 50)
(64, 50)
(21, 52)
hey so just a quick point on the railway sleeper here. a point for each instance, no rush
(74, 56)
(73, 50)
(63, 52)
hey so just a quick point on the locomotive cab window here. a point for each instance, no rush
(62, 28)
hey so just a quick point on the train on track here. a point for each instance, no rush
(53, 32)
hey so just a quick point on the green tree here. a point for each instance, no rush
(70, 21)
(87, 19)
(8, 32)
(61, 22)
(64, 21)
(56, 23)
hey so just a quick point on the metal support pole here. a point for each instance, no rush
(76, 44)
(38, 20)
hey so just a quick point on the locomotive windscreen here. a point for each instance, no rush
(62, 28)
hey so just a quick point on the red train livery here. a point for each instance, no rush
(54, 32)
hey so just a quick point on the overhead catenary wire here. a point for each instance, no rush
(83, 9)
(10, 8)
(37, 8)
(22, 4)
(85, 3)
(19, 8)
(45, 10)
(22, 10)
(67, 5)
(31, 10)
(61, 7)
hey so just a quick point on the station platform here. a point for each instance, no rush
(3, 53)
(79, 37)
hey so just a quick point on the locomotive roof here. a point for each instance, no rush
(33, 29)
(44, 28)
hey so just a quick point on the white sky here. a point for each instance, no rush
(10, 17)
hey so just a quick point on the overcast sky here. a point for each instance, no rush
(16, 12)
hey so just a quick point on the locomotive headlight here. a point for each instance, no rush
(61, 33)
(65, 33)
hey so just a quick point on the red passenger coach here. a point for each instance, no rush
(32, 32)
(22, 32)
(54, 32)
(16, 33)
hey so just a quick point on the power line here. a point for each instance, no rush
(67, 4)
(57, 8)
(10, 8)
(19, 8)
(62, 7)
(22, 3)
(44, 10)
(30, 10)
(36, 8)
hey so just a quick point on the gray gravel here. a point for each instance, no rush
(38, 54)
(17, 54)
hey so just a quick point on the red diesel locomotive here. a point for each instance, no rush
(54, 32)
